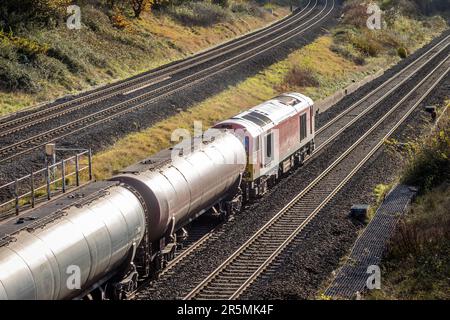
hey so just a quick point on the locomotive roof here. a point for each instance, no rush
(270, 113)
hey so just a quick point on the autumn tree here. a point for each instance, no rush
(13, 12)
(140, 6)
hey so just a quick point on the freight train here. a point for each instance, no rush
(98, 241)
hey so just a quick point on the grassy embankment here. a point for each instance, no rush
(40, 62)
(417, 262)
(347, 54)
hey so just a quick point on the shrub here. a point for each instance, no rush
(23, 46)
(199, 13)
(301, 78)
(402, 52)
(14, 77)
(355, 14)
(417, 263)
(51, 69)
(247, 8)
(222, 3)
(429, 162)
(366, 44)
(119, 21)
(344, 52)
(64, 55)
(24, 12)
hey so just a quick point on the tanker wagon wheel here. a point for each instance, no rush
(171, 254)
(134, 282)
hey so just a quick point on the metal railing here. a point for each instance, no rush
(40, 185)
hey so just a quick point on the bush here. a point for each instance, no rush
(199, 14)
(366, 44)
(345, 53)
(247, 8)
(355, 13)
(417, 263)
(51, 69)
(14, 77)
(119, 21)
(222, 3)
(402, 52)
(300, 78)
(15, 13)
(429, 162)
(23, 46)
(67, 57)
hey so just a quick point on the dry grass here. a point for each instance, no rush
(298, 77)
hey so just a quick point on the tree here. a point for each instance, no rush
(222, 3)
(140, 6)
(13, 12)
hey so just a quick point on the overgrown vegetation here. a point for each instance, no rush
(417, 263)
(401, 29)
(200, 14)
(429, 160)
(380, 192)
(299, 77)
(400, 35)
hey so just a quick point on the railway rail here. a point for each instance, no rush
(357, 110)
(245, 265)
(12, 150)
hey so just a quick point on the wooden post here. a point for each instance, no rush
(16, 195)
(32, 189)
(90, 164)
(77, 171)
(47, 176)
(63, 175)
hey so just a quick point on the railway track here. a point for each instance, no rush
(245, 265)
(164, 87)
(330, 130)
(154, 76)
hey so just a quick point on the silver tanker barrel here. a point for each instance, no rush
(70, 244)
(177, 186)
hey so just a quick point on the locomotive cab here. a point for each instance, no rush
(278, 135)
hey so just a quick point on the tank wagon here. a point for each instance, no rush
(98, 241)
